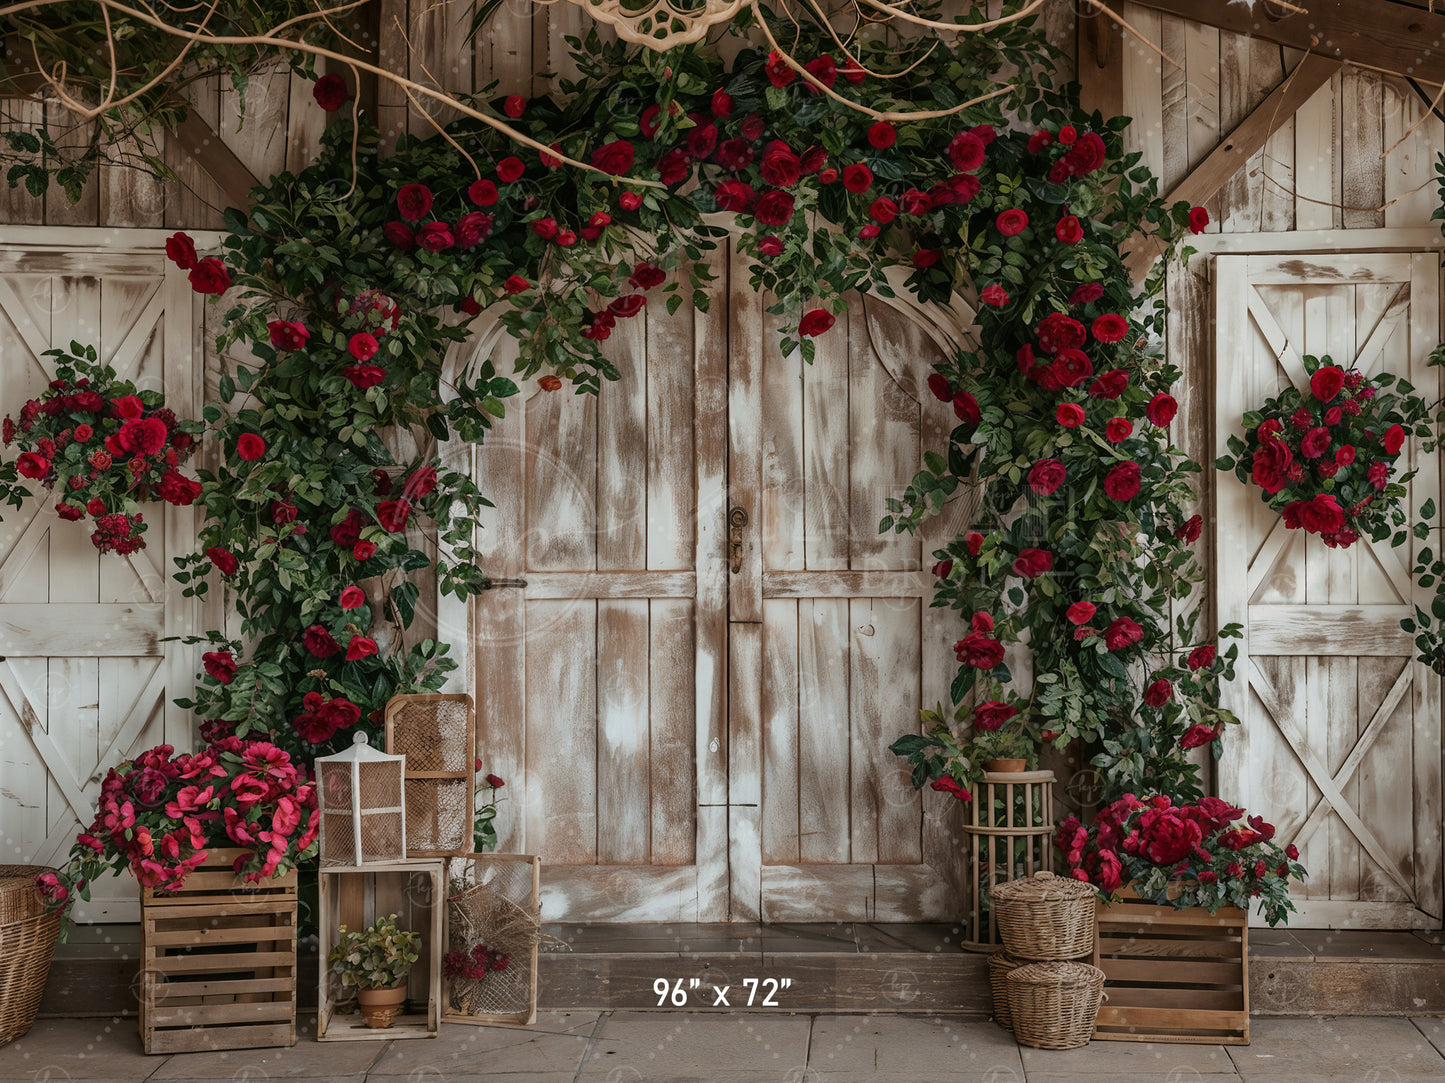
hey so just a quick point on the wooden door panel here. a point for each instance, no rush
(86, 679)
(1340, 745)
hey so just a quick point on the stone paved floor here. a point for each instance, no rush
(668, 1047)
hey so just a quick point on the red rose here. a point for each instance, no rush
(223, 559)
(399, 234)
(774, 208)
(815, 322)
(175, 488)
(435, 237)
(1110, 385)
(722, 104)
(482, 192)
(943, 568)
(1058, 332)
(883, 210)
(68, 512)
(1110, 327)
(1046, 476)
(916, 203)
(363, 346)
(1318, 515)
(1343, 455)
(1190, 529)
(96, 507)
(979, 651)
(629, 305)
(413, 201)
(181, 251)
(974, 540)
(1393, 440)
(330, 92)
(392, 515)
(994, 295)
(629, 201)
(1068, 134)
(1039, 141)
(1122, 482)
(1167, 837)
(514, 106)
(1122, 633)
(770, 246)
(613, 158)
(1118, 429)
(814, 159)
(965, 408)
(734, 154)
(780, 166)
(360, 647)
(853, 71)
(882, 135)
(940, 387)
(250, 447)
(1161, 409)
(220, 665)
(1031, 563)
(283, 512)
(1315, 442)
(516, 284)
(348, 530)
(779, 73)
(966, 152)
(510, 169)
(319, 642)
(824, 70)
(947, 784)
(857, 177)
(1081, 612)
(645, 276)
(1069, 414)
(1198, 219)
(1011, 222)
(1086, 293)
(1271, 464)
(991, 715)
(363, 550)
(85, 432)
(599, 326)
(1068, 230)
(1201, 657)
(210, 276)
(981, 622)
(734, 195)
(1072, 367)
(546, 228)
(494, 781)
(143, 435)
(471, 229)
(1326, 382)
(287, 334)
(363, 376)
(1159, 693)
(752, 127)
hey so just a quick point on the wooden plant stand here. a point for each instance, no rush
(218, 962)
(1009, 833)
(1172, 975)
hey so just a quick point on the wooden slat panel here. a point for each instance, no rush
(561, 716)
(672, 655)
(826, 452)
(1362, 631)
(802, 892)
(68, 629)
(841, 584)
(622, 454)
(823, 664)
(616, 894)
(883, 431)
(780, 732)
(671, 480)
(610, 584)
(200, 1015)
(624, 796)
(1178, 970)
(782, 498)
(745, 367)
(561, 482)
(200, 964)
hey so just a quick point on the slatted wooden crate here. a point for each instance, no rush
(218, 962)
(501, 893)
(1172, 975)
(356, 897)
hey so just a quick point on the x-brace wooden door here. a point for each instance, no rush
(1340, 745)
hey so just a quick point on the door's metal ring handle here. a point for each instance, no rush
(737, 523)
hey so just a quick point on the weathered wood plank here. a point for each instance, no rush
(671, 474)
(826, 453)
(623, 418)
(823, 727)
(561, 750)
(672, 763)
(624, 796)
(780, 733)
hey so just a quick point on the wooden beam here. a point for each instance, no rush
(201, 142)
(1101, 63)
(1226, 159)
(1399, 38)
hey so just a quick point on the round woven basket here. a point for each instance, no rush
(27, 940)
(1054, 1005)
(1045, 917)
(1000, 963)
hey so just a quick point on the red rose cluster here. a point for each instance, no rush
(106, 446)
(161, 813)
(475, 964)
(1200, 847)
(1324, 458)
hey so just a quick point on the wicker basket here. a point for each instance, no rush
(1054, 1005)
(27, 940)
(1000, 963)
(1045, 917)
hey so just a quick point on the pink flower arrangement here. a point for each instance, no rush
(160, 814)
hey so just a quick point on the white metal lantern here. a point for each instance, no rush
(363, 816)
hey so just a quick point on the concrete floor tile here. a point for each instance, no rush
(555, 1043)
(1162, 1061)
(910, 1045)
(1344, 1048)
(684, 1044)
(1434, 1031)
(1183, 1074)
(94, 1049)
(307, 1059)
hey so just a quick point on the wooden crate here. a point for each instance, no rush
(1172, 975)
(517, 878)
(356, 897)
(218, 962)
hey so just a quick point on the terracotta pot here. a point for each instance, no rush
(379, 1007)
(1005, 766)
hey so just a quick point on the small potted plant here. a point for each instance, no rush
(1005, 751)
(1001, 740)
(375, 963)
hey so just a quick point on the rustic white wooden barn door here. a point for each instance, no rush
(85, 680)
(600, 683)
(1340, 745)
(833, 646)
